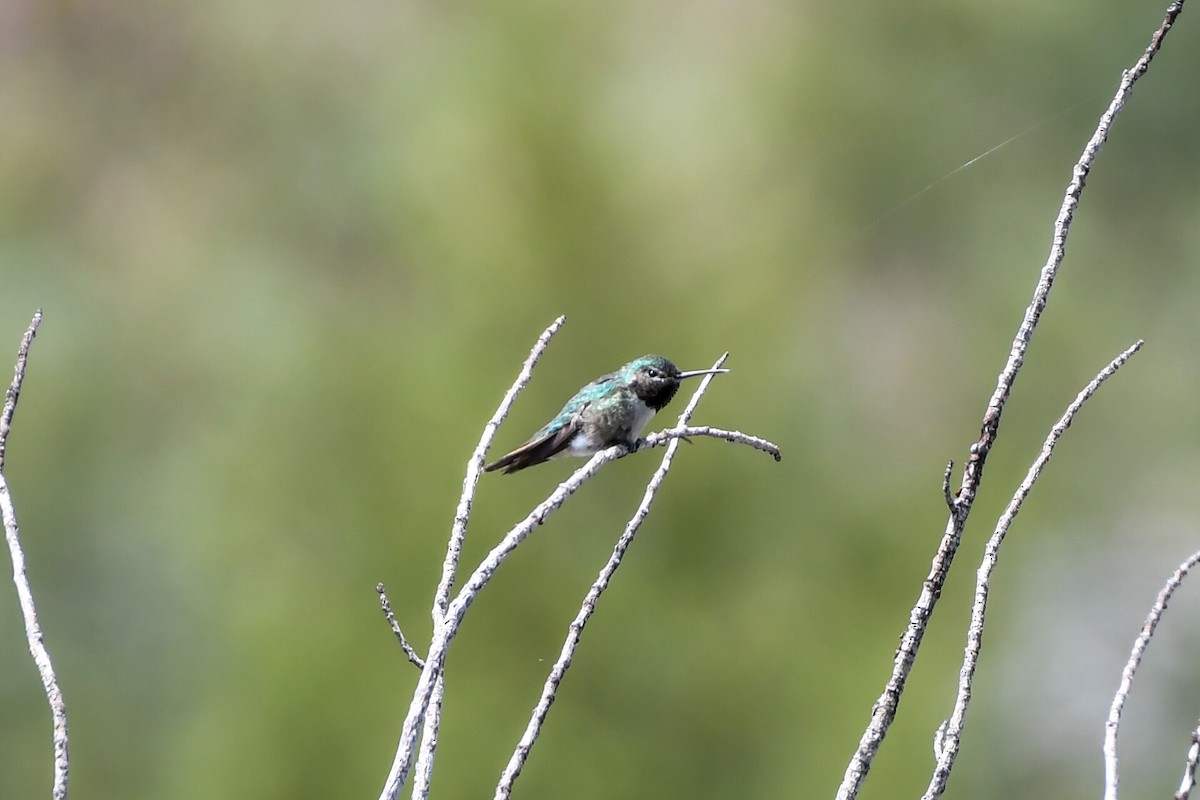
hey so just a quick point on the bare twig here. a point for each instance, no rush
(33, 629)
(462, 514)
(427, 692)
(445, 632)
(947, 490)
(684, 431)
(430, 733)
(425, 708)
(951, 731)
(1189, 767)
(1113, 725)
(517, 761)
(458, 535)
(386, 606)
(884, 710)
(13, 393)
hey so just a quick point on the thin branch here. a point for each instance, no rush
(517, 761)
(33, 629)
(885, 708)
(458, 535)
(13, 393)
(462, 514)
(386, 606)
(444, 633)
(426, 691)
(684, 431)
(1112, 726)
(939, 739)
(1189, 767)
(951, 731)
(430, 734)
(37, 643)
(947, 490)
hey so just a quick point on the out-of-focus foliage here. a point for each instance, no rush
(291, 255)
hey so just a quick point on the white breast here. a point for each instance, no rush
(584, 445)
(641, 420)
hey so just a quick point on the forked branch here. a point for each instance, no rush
(950, 734)
(422, 719)
(884, 710)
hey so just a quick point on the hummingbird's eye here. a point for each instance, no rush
(653, 373)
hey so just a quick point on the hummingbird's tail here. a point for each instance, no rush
(536, 450)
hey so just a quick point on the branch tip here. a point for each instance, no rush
(386, 606)
(884, 711)
(947, 492)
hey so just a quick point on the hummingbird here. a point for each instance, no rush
(613, 409)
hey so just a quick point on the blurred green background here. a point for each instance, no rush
(292, 254)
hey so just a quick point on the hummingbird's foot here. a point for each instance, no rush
(640, 443)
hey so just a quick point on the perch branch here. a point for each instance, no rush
(458, 535)
(429, 689)
(462, 514)
(517, 761)
(426, 692)
(445, 632)
(682, 431)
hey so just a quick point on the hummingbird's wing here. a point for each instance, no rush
(554, 437)
(537, 449)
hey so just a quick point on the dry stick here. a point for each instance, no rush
(443, 634)
(517, 761)
(1189, 767)
(33, 630)
(426, 702)
(458, 535)
(684, 431)
(462, 514)
(884, 710)
(385, 605)
(1113, 724)
(427, 694)
(13, 393)
(950, 734)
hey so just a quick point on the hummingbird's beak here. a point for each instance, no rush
(695, 372)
